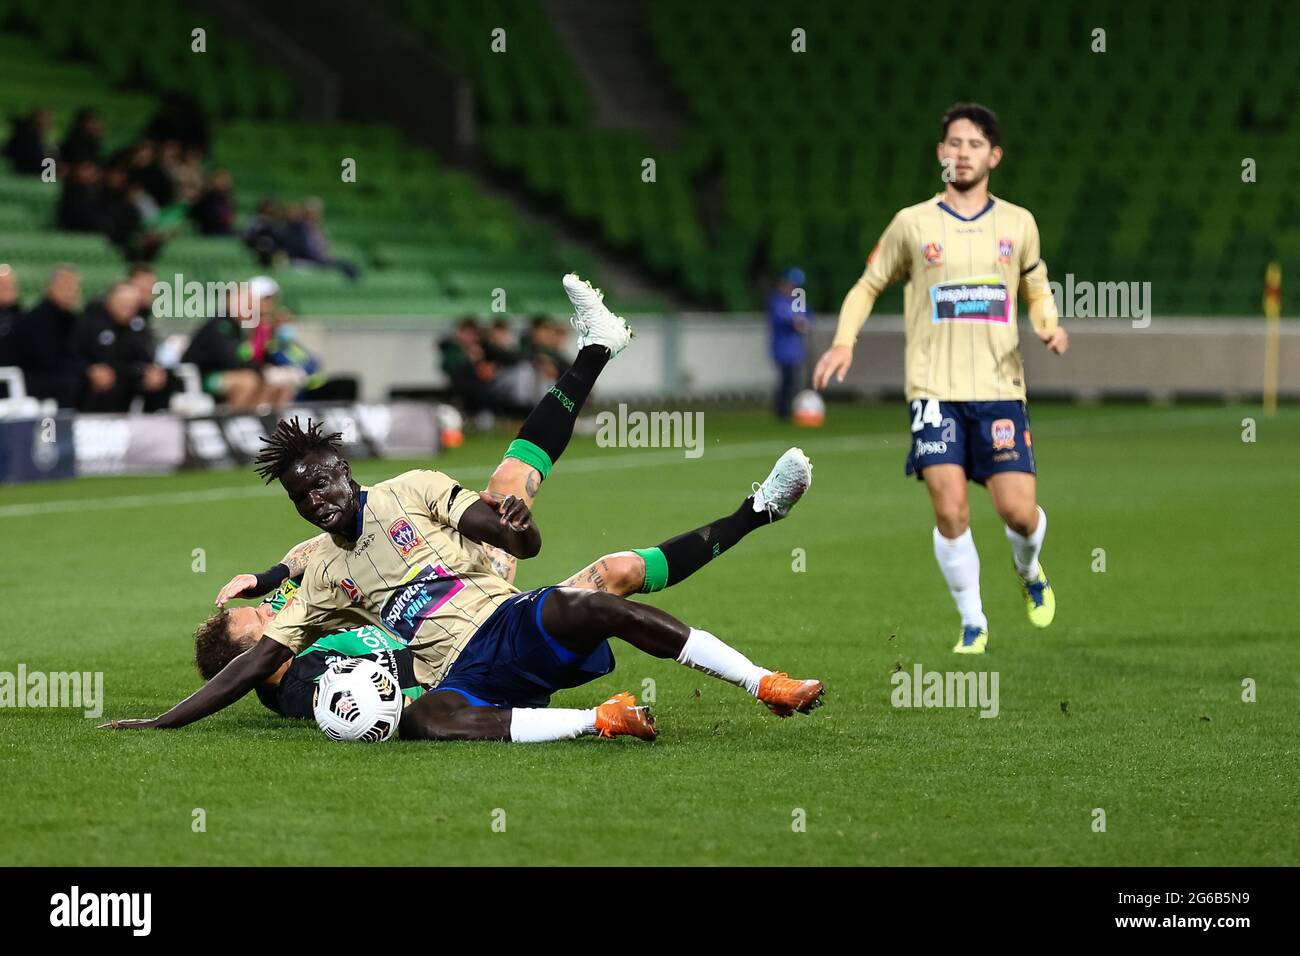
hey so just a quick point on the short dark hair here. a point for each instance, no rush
(215, 646)
(981, 116)
(136, 268)
(290, 443)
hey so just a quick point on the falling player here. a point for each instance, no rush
(289, 691)
(965, 255)
(407, 555)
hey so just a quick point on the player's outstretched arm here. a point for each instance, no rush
(234, 681)
(506, 523)
(887, 263)
(291, 565)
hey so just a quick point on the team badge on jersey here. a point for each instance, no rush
(1005, 248)
(404, 536)
(1004, 434)
(351, 590)
(933, 253)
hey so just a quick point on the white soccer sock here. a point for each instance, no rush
(706, 653)
(1024, 551)
(531, 725)
(960, 564)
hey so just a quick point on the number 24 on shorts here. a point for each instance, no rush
(925, 412)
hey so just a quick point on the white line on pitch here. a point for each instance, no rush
(813, 444)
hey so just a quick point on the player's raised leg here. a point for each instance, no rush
(546, 431)
(581, 621)
(653, 569)
(1014, 496)
(954, 549)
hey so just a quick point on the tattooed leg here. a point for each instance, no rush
(518, 478)
(622, 573)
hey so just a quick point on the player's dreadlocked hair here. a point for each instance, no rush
(289, 442)
(215, 646)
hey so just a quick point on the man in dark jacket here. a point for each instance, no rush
(43, 340)
(225, 359)
(113, 332)
(9, 314)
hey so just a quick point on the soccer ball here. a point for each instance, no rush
(809, 409)
(357, 699)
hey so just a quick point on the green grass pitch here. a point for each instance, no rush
(1131, 702)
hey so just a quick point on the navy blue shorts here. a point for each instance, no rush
(512, 662)
(983, 437)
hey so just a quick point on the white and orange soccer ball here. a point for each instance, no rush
(809, 410)
(357, 699)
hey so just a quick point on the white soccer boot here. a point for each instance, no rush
(596, 325)
(790, 477)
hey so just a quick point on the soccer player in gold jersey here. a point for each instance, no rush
(968, 259)
(407, 555)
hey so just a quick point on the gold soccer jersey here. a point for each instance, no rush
(963, 278)
(410, 571)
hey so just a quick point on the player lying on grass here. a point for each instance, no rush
(407, 555)
(493, 653)
(289, 691)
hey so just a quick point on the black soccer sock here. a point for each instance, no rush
(547, 429)
(678, 558)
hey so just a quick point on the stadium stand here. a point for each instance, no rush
(425, 239)
(812, 152)
(788, 157)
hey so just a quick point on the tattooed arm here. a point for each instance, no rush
(293, 564)
(298, 556)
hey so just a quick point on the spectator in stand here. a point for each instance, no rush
(543, 347)
(235, 367)
(789, 320)
(183, 119)
(185, 170)
(44, 343)
(305, 238)
(225, 359)
(112, 332)
(213, 211)
(501, 345)
(475, 368)
(128, 210)
(287, 360)
(9, 314)
(265, 234)
(84, 140)
(81, 204)
(29, 143)
(281, 380)
(145, 169)
(142, 276)
(465, 364)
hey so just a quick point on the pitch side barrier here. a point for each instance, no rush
(69, 444)
(709, 355)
